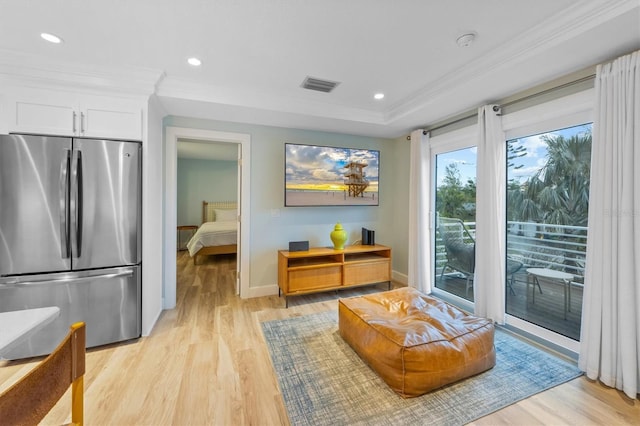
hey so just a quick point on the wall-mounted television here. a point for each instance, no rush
(329, 176)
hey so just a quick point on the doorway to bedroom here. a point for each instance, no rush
(207, 172)
(205, 166)
(207, 206)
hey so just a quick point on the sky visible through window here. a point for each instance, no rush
(535, 158)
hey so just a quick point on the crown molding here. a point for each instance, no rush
(568, 24)
(31, 70)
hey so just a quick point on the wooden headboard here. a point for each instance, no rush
(208, 207)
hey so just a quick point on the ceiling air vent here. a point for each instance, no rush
(319, 85)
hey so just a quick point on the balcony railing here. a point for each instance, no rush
(540, 245)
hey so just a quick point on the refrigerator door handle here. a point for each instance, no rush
(77, 205)
(49, 281)
(64, 202)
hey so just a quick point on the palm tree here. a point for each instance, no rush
(558, 193)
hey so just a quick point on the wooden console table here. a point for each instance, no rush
(326, 269)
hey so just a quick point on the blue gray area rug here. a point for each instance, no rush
(324, 382)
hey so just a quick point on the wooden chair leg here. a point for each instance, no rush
(77, 401)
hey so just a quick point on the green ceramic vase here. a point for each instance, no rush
(338, 236)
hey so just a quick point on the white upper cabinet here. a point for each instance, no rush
(72, 114)
(111, 120)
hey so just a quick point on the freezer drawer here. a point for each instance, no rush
(107, 300)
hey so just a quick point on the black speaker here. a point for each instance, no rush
(368, 237)
(298, 245)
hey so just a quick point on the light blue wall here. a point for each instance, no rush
(400, 221)
(270, 233)
(200, 180)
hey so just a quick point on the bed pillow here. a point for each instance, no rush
(226, 215)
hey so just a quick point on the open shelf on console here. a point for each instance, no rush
(325, 269)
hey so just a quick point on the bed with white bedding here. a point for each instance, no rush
(218, 232)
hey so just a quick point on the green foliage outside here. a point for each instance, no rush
(453, 199)
(558, 193)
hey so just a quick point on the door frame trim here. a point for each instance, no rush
(172, 134)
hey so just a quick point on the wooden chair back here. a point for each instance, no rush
(30, 399)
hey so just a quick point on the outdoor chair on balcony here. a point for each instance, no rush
(513, 266)
(460, 247)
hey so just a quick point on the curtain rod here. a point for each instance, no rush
(467, 116)
(507, 103)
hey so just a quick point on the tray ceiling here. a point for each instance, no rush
(255, 54)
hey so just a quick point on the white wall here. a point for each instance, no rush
(273, 225)
(199, 180)
(152, 217)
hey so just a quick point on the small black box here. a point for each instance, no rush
(368, 237)
(298, 245)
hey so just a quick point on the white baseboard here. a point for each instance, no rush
(265, 290)
(399, 277)
(147, 331)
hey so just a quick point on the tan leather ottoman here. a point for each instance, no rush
(415, 342)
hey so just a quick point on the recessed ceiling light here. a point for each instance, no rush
(51, 38)
(194, 61)
(378, 95)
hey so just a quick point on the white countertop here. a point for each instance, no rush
(16, 326)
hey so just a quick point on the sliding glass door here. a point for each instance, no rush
(455, 219)
(547, 211)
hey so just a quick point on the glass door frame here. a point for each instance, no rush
(560, 113)
(440, 144)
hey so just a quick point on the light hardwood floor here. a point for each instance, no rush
(206, 363)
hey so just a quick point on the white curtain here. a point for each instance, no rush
(610, 336)
(419, 236)
(489, 281)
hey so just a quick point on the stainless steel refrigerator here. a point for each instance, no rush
(70, 236)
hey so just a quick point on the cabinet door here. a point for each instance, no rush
(366, 273)
(112, 121)
(315, 278)
(42, 116)
(51, 112)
